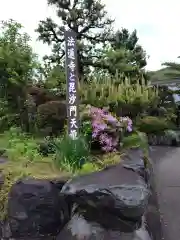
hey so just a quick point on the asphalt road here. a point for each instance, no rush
(167, 178)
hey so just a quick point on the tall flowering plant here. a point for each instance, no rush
(107, 129)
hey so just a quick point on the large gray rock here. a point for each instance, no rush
(79, 228)
(109, 204)
(36, 209)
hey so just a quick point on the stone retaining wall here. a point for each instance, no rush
(161, 140)
(116, 203)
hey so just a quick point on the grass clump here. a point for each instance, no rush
(99, 163)
(137, 140)
(71, 154)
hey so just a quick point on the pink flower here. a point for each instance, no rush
(101, 121)
(129, 128)
(96, 111)
(128, 122)
(110, 118)
(103, 138)
(107, 148)
(94, 134)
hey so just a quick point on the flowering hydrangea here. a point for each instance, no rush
(107, 128)
(127, 122)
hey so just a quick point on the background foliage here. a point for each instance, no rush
(112, 77)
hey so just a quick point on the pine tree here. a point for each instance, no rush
(172, 69)
(126, 54)
(88, 19)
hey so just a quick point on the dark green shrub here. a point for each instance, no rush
(41, 95)
(47, 147)
(153, 125)
(52, 115)
(129, 109)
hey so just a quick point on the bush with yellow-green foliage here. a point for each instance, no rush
(120, 95)
(153, 125)
(19, 146)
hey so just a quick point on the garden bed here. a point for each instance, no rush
(34, 199)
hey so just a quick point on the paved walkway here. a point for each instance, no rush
(167, 176)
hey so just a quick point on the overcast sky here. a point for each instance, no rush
(157, 23)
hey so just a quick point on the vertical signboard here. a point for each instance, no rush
(72, 84)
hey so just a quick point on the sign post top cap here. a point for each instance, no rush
(69, 32)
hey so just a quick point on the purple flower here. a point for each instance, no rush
(101, 121)
(129, 128)
(110, 118)
(103, 138)
(102, 127)
(115, 142)
(94, 134)
(107, 148)
(96, 111)
(128, 123)
(95, 124)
